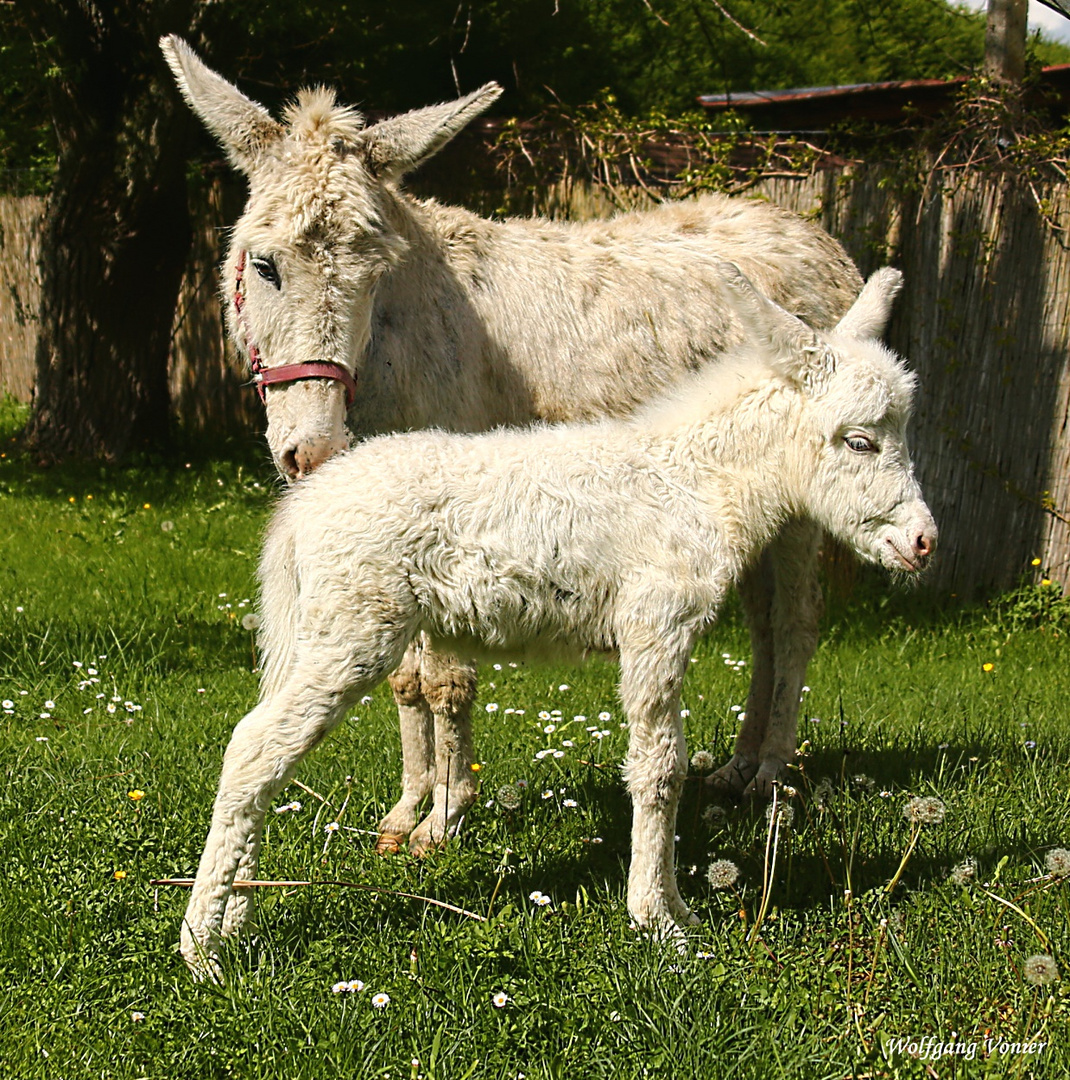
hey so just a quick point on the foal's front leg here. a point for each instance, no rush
(756, 590)
(652, 671)
(796, 616)
(262, 754)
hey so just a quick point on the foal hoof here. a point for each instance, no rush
(388, 843)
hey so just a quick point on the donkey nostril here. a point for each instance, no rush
(923, 545)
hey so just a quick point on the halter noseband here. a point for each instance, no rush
(264, 376)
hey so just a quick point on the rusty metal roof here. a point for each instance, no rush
(817, 107)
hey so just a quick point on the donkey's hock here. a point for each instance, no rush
(619, 537)
(469, 324)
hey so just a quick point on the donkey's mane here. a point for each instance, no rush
(315, 180)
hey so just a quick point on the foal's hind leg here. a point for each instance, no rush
(756, 592)
(449, 686)
(417, 751)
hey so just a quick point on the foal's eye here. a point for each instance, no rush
(267, 269)
(860, 444)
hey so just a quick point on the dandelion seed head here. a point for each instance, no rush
(1040, 970)
(722, 874)
(250, 622)
(702, 761)
(785, 815)
(924, 810)
(1057, 862)
(509, 797)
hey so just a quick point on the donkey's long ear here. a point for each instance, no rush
(868, 315)
(244, 128)
(399, 144)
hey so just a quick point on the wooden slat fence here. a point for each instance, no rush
(984, 319)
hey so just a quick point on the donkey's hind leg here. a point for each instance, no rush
(449, 686)
(417, 752)
(756, 591)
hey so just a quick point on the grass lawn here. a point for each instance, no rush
(124, 664)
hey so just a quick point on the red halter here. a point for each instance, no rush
(263, 376)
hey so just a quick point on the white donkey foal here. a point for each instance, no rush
(404, 314)
(619, 537)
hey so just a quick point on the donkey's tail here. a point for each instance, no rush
(280, 587)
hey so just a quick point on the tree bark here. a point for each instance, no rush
(115, 237)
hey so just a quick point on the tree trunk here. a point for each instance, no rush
(1005, 36)
(115, 238)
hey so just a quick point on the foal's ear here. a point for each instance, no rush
(245, 129)
(792, 347)
(764, 321)
(399, 144)
(868, 315)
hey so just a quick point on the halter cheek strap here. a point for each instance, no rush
(264, 376)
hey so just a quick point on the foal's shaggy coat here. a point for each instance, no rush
(619, 537)
(452, 321)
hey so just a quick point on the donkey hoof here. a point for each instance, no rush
(760, 789)
(388, 843)
(732, 778)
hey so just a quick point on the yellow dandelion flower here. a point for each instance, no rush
(1035, 562)
(119, 875)
(988, 667)
(475, 766)
(137, 794)
(71, 499)
(147, 506)
(1045, 581)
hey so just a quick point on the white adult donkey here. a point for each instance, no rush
(421, 315)
(619, 537)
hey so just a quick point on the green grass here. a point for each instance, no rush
(123, 570)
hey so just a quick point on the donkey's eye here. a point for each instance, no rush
(860, 444)
(267, 269)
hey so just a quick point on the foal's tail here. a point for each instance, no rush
(280, 588)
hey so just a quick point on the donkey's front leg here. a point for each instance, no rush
(449, 685)
(417, 751)
(264, 750)
(796, 616)
(756, 591)
(652, 671)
